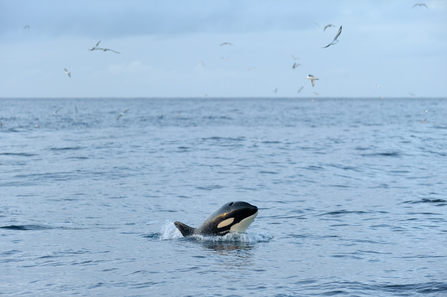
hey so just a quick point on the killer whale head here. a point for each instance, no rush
(230, 217)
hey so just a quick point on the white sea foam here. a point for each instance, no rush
(169, 231)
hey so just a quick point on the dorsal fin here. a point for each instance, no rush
(186, 230)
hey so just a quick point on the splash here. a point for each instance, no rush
(169, 231)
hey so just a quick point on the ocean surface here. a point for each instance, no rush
(352, 196)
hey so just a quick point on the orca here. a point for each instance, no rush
(231, 217)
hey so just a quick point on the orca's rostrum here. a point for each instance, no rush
(231, 217)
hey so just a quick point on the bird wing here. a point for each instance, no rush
(338, 33)
(66, 70)
(108, 49)
(97, 43)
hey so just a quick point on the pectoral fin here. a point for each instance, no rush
(184, 229)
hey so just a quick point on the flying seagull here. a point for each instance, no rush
(57, 110)
(295, 65)
(295, 58)
(327, 26)
(301, 88)
(420, 4)
(121, 114)
(312, 79)
(335, 38)
(276, 90)
(67, 72)
(102, 48)
(223, 58)
(26, 27)
(226, 43)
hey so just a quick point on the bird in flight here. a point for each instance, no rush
(26, 27)
(295, 65)
(121, 114)
(301, 88)
(251, 68)
(335, 38)
(327, 26)
(102, 49)
(420, 4)
(276, 90)
(224, 58)
(295, 58)
(226, 43)
(312, 79)
(67, 72)
(57, 110)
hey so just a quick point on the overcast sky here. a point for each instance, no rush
(173, 48)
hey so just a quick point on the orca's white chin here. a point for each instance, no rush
(244, 224)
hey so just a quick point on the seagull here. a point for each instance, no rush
(121, 114)
(327, 26)
(312, 79)
(335, 38)
(223, 58)
(295, 65)
(295, 58)
(225, 43)
(102, 49)
(250, 68)
(57, 110)
(276, 90)
(317, 24)
(26, 27)
(301, 88)
(420, 4)
(67, 72)
(411, 94)
(316, 93)
(203, 64)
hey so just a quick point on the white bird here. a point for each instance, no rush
(67, 72)
(121, 114)
(295, 58)
(335, 38)
(420, 4)
(223, 58)
(312, 79)
(226, 43)
(102, 48)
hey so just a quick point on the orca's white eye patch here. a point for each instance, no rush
(225, 223)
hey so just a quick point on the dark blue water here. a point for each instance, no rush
(352, 197)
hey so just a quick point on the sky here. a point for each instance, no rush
(172, 48)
